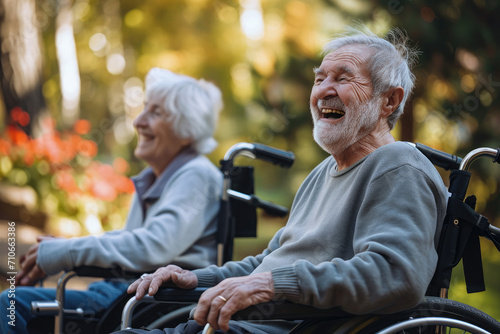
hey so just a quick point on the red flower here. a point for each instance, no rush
(20, 116)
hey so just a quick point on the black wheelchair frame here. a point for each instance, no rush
(435, 313)
(237, 218)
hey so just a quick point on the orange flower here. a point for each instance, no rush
(125, 185)
(5, 146)
(17, 136)
(104, 191)
(65, 181)
(121, 165)
(39, 147)
(100, 186)
(29, 154)
(52, 149)
(105, 183)
(82, 126)
(70, 146)
(87, 148)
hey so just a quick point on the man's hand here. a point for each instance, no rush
(30, 272)
(218, 304)
(183, 279)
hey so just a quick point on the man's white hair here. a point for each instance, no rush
(192, 105)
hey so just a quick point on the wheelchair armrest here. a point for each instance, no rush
(179, 295)
(286, 310)
(117, 272)
(283, 310)
(56, 307)
(163, 295)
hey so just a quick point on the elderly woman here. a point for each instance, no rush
(172, 218)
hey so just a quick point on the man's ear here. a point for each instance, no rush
(392, 99)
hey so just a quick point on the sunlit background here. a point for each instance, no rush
(73, 81)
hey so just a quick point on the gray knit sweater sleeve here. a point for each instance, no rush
(179, 228)
(212, 275)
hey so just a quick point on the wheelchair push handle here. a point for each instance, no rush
(270, 208)
(275, 156)
(257, 151)
(449, 161)
(478, 153)
(439, 158)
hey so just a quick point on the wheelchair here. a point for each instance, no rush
(435, 313)
(237, 218)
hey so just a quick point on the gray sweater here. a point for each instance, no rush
(362, 239)
(171, 221)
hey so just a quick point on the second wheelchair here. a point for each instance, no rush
(237, 218)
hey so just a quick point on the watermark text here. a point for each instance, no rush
(11, 273)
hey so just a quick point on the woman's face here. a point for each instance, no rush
(157, 143)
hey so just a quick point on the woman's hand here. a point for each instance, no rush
(30, 272)
(218, 304)
(183, 279)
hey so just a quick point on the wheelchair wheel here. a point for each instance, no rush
(448, 316)
(171, 319)
(160, 315)
(433, 325)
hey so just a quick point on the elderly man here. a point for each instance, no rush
(172, 218)
(364, 224)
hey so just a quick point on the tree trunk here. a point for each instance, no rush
(406, 123)
(21, 60)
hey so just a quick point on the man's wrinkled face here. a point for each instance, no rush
(342, 103)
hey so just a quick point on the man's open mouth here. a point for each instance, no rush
(332, 113)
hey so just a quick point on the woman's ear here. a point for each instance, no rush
(392, 99)
(185, 142)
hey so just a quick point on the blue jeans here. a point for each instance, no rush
(98, 297)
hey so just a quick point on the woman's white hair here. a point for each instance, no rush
(390, 65)
(192, 105)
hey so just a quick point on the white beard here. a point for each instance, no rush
(359, 120)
